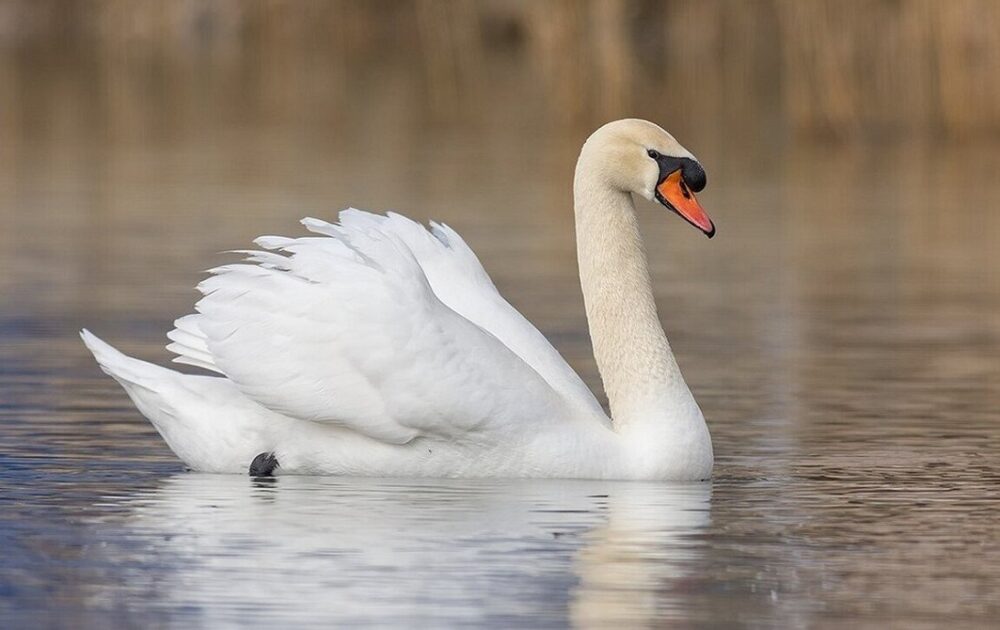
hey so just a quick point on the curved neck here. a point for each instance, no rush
(640, 374)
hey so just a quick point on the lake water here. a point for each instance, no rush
(842, 334)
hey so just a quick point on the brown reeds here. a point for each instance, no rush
(866, 67)
(837, 68)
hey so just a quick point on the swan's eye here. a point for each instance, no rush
(653, 154)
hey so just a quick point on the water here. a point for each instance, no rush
(842, 334)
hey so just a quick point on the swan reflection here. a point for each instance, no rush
(352, 551)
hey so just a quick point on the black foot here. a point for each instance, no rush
(263, 465)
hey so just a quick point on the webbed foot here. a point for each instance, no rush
(263, 465)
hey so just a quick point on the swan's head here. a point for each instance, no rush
(636, 156)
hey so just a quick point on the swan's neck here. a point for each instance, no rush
(641, 377)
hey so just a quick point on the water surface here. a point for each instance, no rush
(842, 334)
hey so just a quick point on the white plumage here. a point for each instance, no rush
(379, 347)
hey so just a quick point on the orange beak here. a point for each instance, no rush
(675, 194)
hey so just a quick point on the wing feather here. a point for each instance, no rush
(459, 281)
(382, 326)
(347, 330)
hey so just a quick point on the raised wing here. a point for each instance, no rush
(459, 281)
(346, 329)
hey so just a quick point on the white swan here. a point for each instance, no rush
(380, 348)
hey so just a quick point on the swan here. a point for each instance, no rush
(379, 347)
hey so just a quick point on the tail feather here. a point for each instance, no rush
(122, 368)
(204, 419)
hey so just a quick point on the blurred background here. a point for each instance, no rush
(841, 333)
(857, 70)
(861, 69)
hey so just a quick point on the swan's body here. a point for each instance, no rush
(380, 348)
